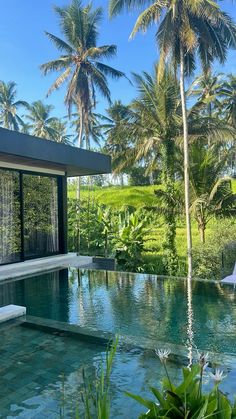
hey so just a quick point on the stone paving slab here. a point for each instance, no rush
(30, 267)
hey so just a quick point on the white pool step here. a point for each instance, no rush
(11, 312)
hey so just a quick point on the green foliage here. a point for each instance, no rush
(187, 399)
(211, 193)
(9, 106)
(83, 226)
(216, 258)
(207, 258)
(130, 242)
(137, 177)
(41, 123)
(91, 224)
(96, 395)
(105, 220)
(118, 197)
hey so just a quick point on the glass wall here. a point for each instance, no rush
(10, 232)
(40, 197)
(28, 216)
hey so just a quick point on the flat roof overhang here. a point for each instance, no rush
(17, 149)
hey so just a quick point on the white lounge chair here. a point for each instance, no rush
(231, 279)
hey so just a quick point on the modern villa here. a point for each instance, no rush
(58, 315)
(33, 193)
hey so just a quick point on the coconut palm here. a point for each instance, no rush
(157, 124)
(119, 137)
(211, 192)
(188, 29)
(229, 102)
(60, 135)
(40, 120)
(9, 106)
(208, 90)
(229, 111)
(94, 129)
(81, 60)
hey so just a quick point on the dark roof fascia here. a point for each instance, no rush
(75, 161)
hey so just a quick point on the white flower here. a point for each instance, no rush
(203, 360)
(218, 376)
(163, 354)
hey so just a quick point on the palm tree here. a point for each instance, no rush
(60, 134)
(208, 90)
(119, 138)
(93, 131)
(229, 110)
(211, 191)
(229, 102)
(81, 60)
(157, 124)
(187, 29)
(40, 121)
(9, 106)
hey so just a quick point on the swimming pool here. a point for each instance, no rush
(150, 311)
(139, 306)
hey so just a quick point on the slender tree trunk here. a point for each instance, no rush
(202, 229)
(169, 246)
(186, 164)
(81, 128)
(202, 234)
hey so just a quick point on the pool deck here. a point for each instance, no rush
(29, 267)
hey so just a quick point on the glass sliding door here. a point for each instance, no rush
(10, 221)
(40, 215)
(29, 216)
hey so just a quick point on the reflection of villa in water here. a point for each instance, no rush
(33, 193)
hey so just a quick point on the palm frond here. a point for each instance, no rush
(59, 81)
(109, 71)
(60, 44)
(149, 16)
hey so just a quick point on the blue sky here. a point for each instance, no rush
(24, 47)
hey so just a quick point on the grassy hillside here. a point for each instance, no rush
(143, 196)
(117, 196)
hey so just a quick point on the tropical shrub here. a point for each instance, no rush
(84, 229)
(187, 400)
(130, 242)
(216, 258)
(90, 227)
(106, 222)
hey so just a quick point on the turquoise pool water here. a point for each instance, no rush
(141, 306)
(41, 375)
(35, 365)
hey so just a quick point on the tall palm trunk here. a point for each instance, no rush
(80, 136)
(169, 246)
(186, 164)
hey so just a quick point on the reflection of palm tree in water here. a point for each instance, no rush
(211, 312)
(190, 332)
